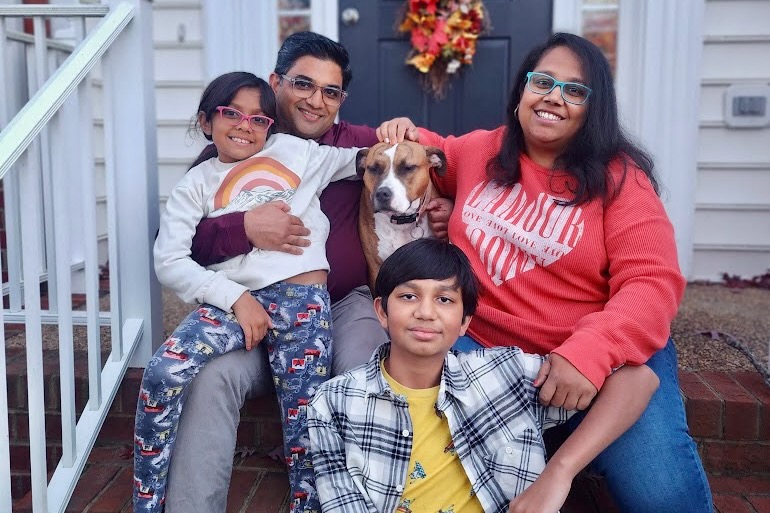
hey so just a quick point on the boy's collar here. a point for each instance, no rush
(454, 381)
(376, 385)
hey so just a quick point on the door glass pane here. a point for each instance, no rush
(293, 16)
(288, 25)
(600, 26)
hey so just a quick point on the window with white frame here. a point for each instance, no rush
(298, 15)
(264, 24)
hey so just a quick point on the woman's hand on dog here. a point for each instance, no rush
(396, 130)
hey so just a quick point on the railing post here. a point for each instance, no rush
(129, 87)
(5, 441)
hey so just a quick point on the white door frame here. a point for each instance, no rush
(660, 44)
(242, 35)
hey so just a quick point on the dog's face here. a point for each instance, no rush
(396, 177)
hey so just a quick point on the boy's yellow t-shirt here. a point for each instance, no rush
(437, 482)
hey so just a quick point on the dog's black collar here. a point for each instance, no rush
(404, 218)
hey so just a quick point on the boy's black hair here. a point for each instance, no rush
(301, 44)
(428, 259)
(221, 91)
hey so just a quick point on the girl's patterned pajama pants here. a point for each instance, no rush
(299, 347)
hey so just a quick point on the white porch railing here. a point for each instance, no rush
(47, 155)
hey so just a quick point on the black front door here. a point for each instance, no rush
(384, 87)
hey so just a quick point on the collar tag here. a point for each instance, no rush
(404, 218)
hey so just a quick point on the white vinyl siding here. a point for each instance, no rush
(732, 212)
(178, 43)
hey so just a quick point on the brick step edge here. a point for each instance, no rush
(726, 406)
(723, 406)
(729, 406)
(720, 406)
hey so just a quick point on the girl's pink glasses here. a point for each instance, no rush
(236, 117)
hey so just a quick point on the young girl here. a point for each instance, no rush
(261, 295)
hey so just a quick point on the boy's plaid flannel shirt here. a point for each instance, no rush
(361, 432)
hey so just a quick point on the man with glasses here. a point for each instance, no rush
(306, 112)
(310, 78)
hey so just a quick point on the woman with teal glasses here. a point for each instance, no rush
(558, 212)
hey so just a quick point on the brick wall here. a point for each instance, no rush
(728, 415)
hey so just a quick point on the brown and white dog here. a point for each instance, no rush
(397, 187)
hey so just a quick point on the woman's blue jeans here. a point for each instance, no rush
(654, 466)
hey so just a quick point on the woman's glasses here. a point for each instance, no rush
(236, 117)
(571, 92)
(304, 88)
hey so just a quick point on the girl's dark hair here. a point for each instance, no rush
(428, 259)
(301, 44)
(221, 91)
(600, 141)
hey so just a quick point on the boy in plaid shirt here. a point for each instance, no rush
(421, 428)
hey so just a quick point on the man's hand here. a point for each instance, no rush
(546, 495)
(563, 385)
(271, 227)
(396, 130)
(253, 319)
(439, 210)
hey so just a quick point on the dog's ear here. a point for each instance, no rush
(437, 160)
(361, 161)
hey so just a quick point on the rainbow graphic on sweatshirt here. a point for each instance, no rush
(253, 175)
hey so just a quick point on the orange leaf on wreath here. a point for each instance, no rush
(410, 22)
(422, 61)
(458, 21)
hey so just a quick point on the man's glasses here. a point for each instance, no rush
(571, 92)
(236, 117)
(304, 88)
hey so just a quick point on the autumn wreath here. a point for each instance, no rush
(443, 37)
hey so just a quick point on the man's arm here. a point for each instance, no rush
(620, 403)
(219, 238)
(269, 226)
(336, 488)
